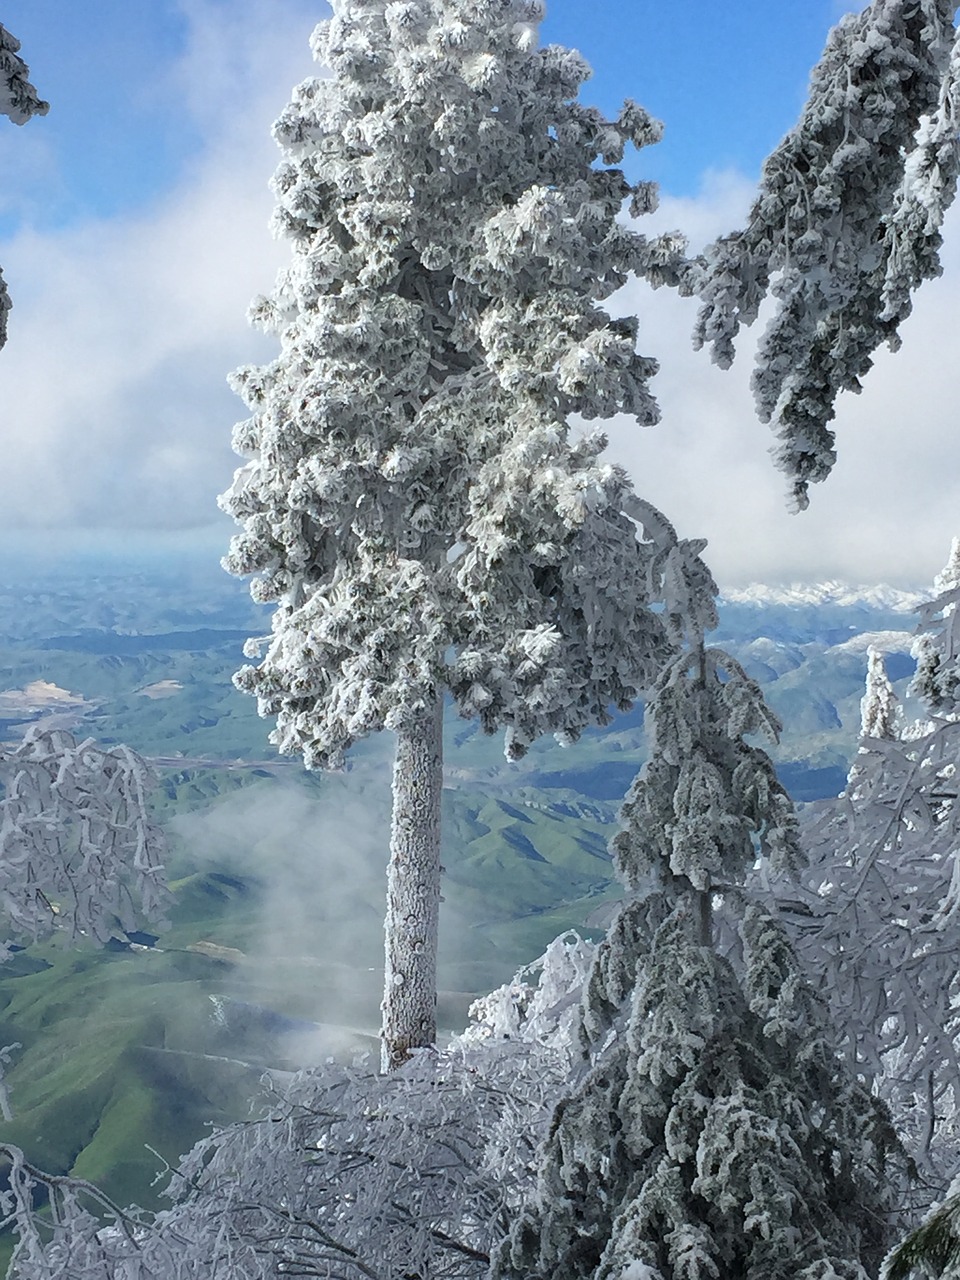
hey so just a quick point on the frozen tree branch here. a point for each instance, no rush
(78, 849)
(846, 224)
(18, 102)
(348, 1174)
(877, 916)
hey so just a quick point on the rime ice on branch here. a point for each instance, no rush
(349, 1175)
(413, 501)
(716, 1133)
(879, 907)
(18, 98)
(18, 102)
(846, 224)
(78, 850)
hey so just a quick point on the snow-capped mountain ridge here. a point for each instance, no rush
(879, 596)
(884, 641)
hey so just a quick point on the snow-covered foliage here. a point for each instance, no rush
(18, 98)
(879, 706)
(846, 224)
(932, 1250)
(18, 102)
(78, 849)
(704, 806)
(937, 648)
(347, 1173)
(545, 1013)
(60, 1233)
(716, 1133)
(877, 917)
(413, 502)
(928, 187)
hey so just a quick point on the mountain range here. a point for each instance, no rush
(275, 951)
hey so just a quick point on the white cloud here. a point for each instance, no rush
(115, 407)
(892, 504)
(116, 414)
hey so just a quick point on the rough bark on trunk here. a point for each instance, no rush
(413, 892)
(705, 909)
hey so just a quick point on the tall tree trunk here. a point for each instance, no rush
(705, 911)
(413, 892)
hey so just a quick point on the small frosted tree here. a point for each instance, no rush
(414, 503)
(716, 1132)
(18, 102)
(846, 224)
(937, 648)
(879, 706)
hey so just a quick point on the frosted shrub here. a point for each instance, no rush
(79, 852)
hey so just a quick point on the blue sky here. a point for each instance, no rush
(133, 234)
(728, 79)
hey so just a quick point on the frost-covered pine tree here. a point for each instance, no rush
(937, 648)
(716, 1132)
(18, 102)
(413, 502)
(846, 223)
(879, 706)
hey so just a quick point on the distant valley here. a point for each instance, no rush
(275, 948)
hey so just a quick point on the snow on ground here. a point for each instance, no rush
(38, 695)
(885, 641)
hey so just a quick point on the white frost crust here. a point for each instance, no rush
(846, 224)
(18, 98)
(412, 500)
(413, 892)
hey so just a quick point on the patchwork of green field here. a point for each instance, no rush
(273, 957)
(147, 656)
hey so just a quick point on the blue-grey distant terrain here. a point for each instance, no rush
(275, 944)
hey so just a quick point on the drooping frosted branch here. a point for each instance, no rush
(846, 224)
(18, 98)
(79, 851)
(18, 102)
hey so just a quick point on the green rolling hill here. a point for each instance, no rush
(274, 954)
